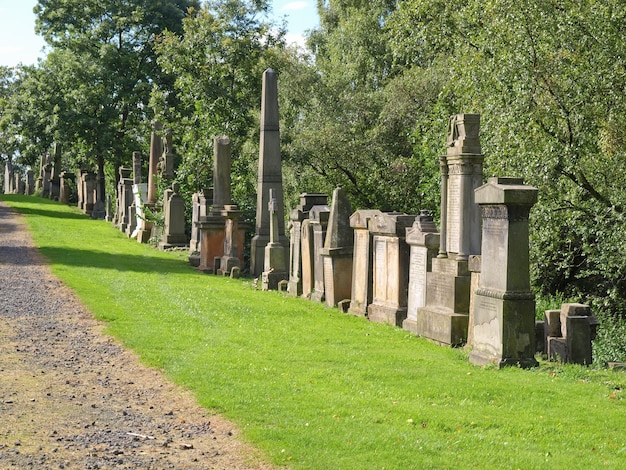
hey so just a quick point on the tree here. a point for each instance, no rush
(218, 60)
(549, 80)
(104, 52)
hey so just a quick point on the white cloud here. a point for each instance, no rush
(298, 39)
(294, 6)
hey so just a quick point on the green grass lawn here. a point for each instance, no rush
(318, 389)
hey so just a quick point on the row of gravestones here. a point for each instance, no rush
(468, 283)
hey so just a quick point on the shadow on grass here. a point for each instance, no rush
(123, 262)
(52, 214)
(55, 214)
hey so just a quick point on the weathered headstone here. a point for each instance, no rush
(504, 306)
(269, 176)
(570, 332)
(8, 177)
(89, 182)
(80, 189)
(109, 209)
(142, 226)
(99, 204)
(308, 258)
(156, 148)
(66, 181)
(445, 317)
(47, 172)
(166, 164)
(390, 267)
(19, 185)
(362, 262)
(125, 198)
(423, 239)
(55, 171)
(128, 202)
(297, 216)
(230, 259)
(318, 220)
(174, 231)
(337, 251)
(212, 227)
(30, 182)
(201, 203)
(275, 268)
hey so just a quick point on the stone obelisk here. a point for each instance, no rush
(270, 175)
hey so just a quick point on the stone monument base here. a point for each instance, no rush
(442, 326)
(270, 279)
(317, 296)
(410, 325)
(384, 314)
(194, 259)
(294, 288)
(358, 309)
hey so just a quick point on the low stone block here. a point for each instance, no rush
(384, 314)
(443, 327)
(579, 340)
(572, 310)
(540, 339)
(557, 349)
(552, 323)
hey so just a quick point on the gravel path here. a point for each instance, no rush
(71, 397)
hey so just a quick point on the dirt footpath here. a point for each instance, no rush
(71, 397)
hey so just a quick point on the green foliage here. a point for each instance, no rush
(609, 345)
(218, 60)
(318, 389)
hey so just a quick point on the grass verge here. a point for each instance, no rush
(317, 389)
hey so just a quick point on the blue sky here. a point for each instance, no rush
(19, 43)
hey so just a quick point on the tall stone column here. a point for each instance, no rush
(445, 317)
(156, 149)
(504, 306)
(270, 175)
(221, 172)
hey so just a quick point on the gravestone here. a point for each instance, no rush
(89, 183)
(80, 189)
(230, 259)
(19, 185)
(166, 163)
(212, 227)
(318, 220)
(55, 171)
(308, 258)
(297, 216)
(337, 251)
(30, 182)
(8, 177)
(504, 306)
(362, 262)
(201, 203)
(142, 226)
(269, 175)
(109, 209)
(445, 317)
(66, 181)
(125, 196)
(275, 268)
(390, 268)
(128, 216)
(174, 231)
(569, 333)
(99, 205)
(156, 149)
(423, 239)
(47, 172)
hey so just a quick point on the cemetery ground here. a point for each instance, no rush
(308, 386)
